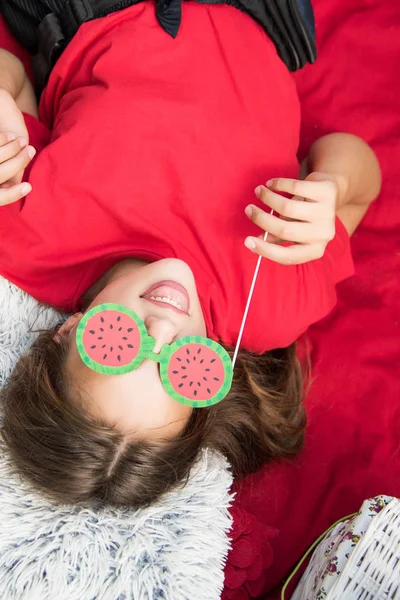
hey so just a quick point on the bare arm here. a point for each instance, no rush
(341, 177)
(352, 164)
(16, 95)
(14, 80)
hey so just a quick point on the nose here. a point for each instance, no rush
(162, 330)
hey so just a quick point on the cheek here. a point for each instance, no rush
(202, 324)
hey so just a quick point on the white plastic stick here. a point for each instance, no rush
(246, 310)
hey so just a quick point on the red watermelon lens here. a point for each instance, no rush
(198, 372)
(112, 339)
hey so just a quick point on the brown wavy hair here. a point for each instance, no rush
(72, 458)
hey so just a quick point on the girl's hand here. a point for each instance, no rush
(15, 152)
(15, 155)
(307, 220)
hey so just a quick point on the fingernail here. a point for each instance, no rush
(31, 151)
(23, 142)
(248, 210)
(11, 137)
(250, 243)
(25, 189)
(257, 191)
(270, 183)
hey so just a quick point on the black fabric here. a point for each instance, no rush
(169, 16)
(24, 17)
(44, 27)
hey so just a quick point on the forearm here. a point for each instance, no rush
(14, 80)
(351, 163)
(12, 73)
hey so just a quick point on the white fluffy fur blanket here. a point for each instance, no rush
(174, 550)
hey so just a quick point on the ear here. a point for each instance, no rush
(68, 325)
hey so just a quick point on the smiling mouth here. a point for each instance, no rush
(169, 294)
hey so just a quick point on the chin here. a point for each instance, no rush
(173, 267)
(173, 263)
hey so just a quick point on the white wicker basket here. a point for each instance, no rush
(358, 559)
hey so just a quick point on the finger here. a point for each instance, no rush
(286, 255)
(13, 194)
(13, 166)
(286, 207)
(11, 149)
(6, 137)
(291, 231)
(272, 239)
(310, 190)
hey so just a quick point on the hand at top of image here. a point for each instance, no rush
(15, 152)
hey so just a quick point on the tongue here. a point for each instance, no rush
(169, 292)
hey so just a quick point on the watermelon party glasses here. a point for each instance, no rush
(194, 370)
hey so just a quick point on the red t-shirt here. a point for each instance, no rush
(156, 146)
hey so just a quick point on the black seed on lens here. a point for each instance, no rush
(111, 349)
(92, 347)
(194, 358)
(120, 329)
(119, 358)
(120, 347)
(184, 368)
(184, 377)
(111, 326)
(208, 390)
(191, 383)
(129, 346)
(103, 346)
(130, 329)
(207, 369)
(199, 384)
(180, 385)
(179, 359)
(187, 351)
(213, 360)
(215, 378)
(118, 318)
(101, 319)
(100, 338)
(198, 351)
(91, 331)
(101, 329)
(188, 361)
(104, 357)
(124, 338)
(202, 360)
(195, 393)
(205, 379)
(175, 372)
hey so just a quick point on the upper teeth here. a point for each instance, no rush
(167, 300)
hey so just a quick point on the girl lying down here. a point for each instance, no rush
(144, 209)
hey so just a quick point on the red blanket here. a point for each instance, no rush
(353, 438)
(353, 441)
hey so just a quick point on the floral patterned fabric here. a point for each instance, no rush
(333, 552)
